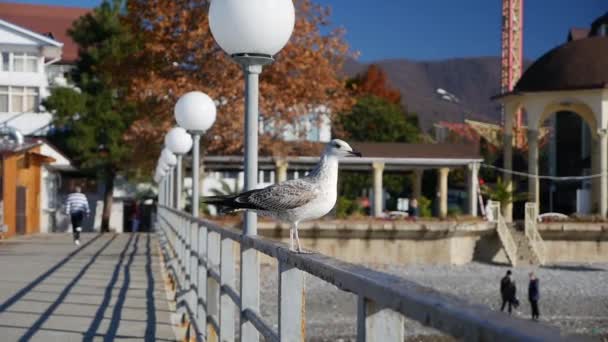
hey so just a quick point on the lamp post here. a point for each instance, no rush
(170, 159)
(195, 111)
(251, 32)
(179, 142)
(168, 169)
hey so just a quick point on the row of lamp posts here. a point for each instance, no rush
(251, 32)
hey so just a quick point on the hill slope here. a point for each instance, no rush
(472, 80)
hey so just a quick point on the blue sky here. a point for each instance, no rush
(439, 29)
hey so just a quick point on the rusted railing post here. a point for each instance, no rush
(227, 278)
(375, 323)
(292, 312)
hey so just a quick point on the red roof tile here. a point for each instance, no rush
(44, 19)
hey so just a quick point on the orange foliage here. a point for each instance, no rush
(375, 82)
(178, 54)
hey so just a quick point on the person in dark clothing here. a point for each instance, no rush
(534, 296)
(508, 292)
(413, 211)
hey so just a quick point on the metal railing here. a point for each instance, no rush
(504, 234)
(204, 269)
(537, 245)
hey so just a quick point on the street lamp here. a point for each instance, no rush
(195, 111)
(165, 168)
(251, 32)
(179, 142)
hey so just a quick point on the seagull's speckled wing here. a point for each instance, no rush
(280, 197)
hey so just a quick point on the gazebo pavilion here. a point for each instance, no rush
(572, 77)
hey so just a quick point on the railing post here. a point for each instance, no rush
(192, 266)
(202, 279)
(213, 287)
(250, 291)
(378, 324)
(187, 254)
(227, 306)
(292, 311)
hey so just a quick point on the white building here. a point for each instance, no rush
(35, 54)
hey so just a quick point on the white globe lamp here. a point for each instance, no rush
(168, 157)
(195, 111)
(260, 27)
(178, 141)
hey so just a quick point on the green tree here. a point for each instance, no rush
(95, 112)
(376, 119)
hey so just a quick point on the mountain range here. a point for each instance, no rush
(472, 80)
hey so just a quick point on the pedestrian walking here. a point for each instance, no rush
(508, 292)
(77, 207)
(534, 296)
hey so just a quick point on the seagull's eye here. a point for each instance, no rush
(336, 145)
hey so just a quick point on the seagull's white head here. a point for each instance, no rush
(339, 148)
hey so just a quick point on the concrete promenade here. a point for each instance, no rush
(108, 289)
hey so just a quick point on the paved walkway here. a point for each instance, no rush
(108, 289)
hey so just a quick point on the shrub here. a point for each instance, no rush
(424, 207)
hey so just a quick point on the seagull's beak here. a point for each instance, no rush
(355, 153)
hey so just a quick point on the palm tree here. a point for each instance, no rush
(500, 192)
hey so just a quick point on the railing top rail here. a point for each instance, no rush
(428, 306)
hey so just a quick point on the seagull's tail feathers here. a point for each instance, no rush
(230, 203)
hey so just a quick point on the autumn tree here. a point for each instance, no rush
(95, 114)
(179, 54)
(374, 81)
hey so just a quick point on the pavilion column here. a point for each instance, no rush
(378, 168)
(472, 185)
(442, 181)
(417, 183)
(509, 110)
(281, 170)
(595, 169)
(533, 183)
(603, 150)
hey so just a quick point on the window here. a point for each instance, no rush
(3, 99)
(5, 61)
(18, 99)
(19, 62)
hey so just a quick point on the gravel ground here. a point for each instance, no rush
(574, 297)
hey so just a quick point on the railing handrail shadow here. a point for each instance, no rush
(383, 299)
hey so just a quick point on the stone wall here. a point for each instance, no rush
(385, 242)
(575, 242)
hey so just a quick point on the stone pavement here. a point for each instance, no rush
(108, 289)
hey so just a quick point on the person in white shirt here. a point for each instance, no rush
(77, 206)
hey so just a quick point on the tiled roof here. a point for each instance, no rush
(46, 20)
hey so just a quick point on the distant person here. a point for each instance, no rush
(534, 296)
(77, 206)
(508, 292)
(135, 218)
(413, 210)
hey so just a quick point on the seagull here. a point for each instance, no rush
(296, 200)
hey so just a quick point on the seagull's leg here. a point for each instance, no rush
(299, 249)
(291, 230)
